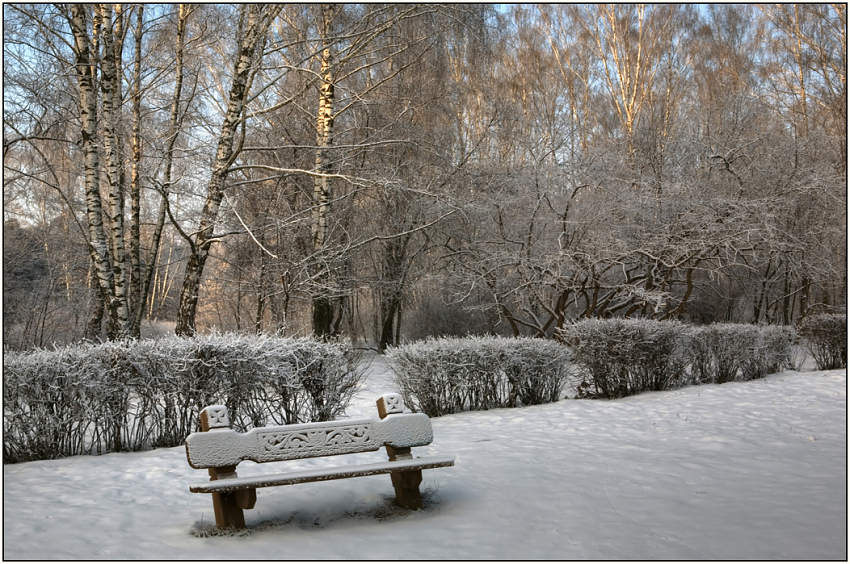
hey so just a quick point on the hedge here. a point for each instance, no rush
(622, 357)
(133, 395)
(446, 375)
(826, 337)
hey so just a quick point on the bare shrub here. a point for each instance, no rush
(725, 352)
(445, 375)
(721, 350)
(776, 348)
(622, 357)
(826, 337)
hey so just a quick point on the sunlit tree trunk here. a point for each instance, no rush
(323, 310)
(135, 184)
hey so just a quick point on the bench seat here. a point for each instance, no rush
(320, 474)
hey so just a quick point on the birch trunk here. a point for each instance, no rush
(254, 22)
(110, 87)
(85, 70)
(322, 306)
(135, 184)
(95, 320)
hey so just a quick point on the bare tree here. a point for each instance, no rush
(254, 22)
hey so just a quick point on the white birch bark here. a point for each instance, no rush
(85, 70)
(110, 86)
(322, 308)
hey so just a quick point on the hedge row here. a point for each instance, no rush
(133, 395)
(611, 357)
(621, 357)
(725, 352)
(446, 375)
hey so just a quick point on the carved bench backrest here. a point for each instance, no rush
(221, 446)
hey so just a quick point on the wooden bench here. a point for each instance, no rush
(219, 449)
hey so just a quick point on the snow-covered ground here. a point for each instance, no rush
(753, 470)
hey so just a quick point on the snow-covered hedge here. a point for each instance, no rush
(826, 336)
(64, 402)
(621, 357)
(723, 352)
(445, 375)
(131, 395)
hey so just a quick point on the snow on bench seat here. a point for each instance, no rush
(318, 475)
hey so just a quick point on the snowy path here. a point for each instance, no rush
(753, 470)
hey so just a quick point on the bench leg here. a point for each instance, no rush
(406, 486)
(228, 514)
(246, 498)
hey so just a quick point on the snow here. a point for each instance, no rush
(749, 470)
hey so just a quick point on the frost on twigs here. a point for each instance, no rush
(447, 375)
(133, 395)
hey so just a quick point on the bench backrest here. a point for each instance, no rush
(218, 445)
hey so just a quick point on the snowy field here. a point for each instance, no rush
(752, 470)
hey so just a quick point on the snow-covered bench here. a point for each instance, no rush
(219, 449)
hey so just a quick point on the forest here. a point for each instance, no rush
(386, 172)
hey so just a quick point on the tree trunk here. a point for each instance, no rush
(787, 307)
(804, 297)
(175, 121)
(395, 268)
(389, 311)
(256, 22)
(323, 313)
(95, 321)
(262, 295)
(111, 89)
(135, 185)
(85, 70)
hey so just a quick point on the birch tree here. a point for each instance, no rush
(254, 22)
(628, 42)
(85, 64)
(322, 309)
(110, 84)
(143, 279)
